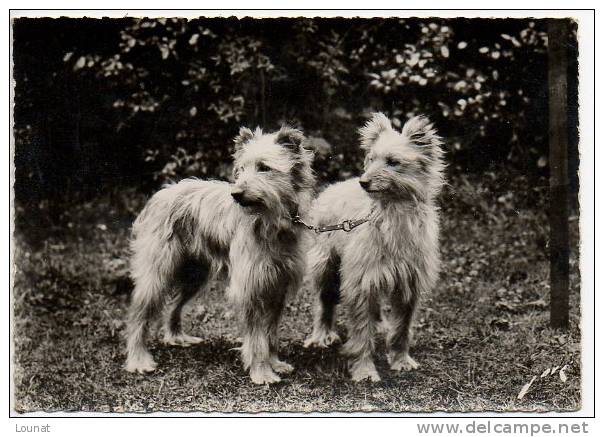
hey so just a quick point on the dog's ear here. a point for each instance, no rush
(244, 136)
(421, 133)
(290, 138)
(378, 124)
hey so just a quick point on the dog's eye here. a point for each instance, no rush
(392, 162)
(262, 167)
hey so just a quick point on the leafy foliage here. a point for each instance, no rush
(164, 97)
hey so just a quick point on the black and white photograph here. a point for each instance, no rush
(297, 212)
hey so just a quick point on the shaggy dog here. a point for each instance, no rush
(393, 257)
(190, 231)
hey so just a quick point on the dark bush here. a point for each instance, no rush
(108, 103)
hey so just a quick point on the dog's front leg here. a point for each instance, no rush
(277, 365)
(261, 313)
(256, 350)
(399, 337)
(363, 313)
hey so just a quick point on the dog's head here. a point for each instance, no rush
(405, 165)
(272, 171)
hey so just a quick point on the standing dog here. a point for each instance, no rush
(394, 256)
(190, 231)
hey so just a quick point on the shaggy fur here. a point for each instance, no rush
(189, 232)
(393, 257)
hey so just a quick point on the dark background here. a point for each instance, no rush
(103, 104)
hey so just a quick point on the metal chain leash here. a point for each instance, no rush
(346, 225)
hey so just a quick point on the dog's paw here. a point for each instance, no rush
(263, 374)
(322, 340)
(182, 340)
(281, 366)
(404, 363)
(364, 370)
(143, 364)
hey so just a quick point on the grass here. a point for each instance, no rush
(480, 336)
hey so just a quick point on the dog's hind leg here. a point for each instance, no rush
(191, 277)
(144, 307)
(399, 335)
(326, 278)
(152, 272)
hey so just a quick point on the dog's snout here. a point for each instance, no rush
(364, 183)
(237, 194)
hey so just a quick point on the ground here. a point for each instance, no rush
(480, 336)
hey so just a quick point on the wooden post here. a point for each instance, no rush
(558, 164)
